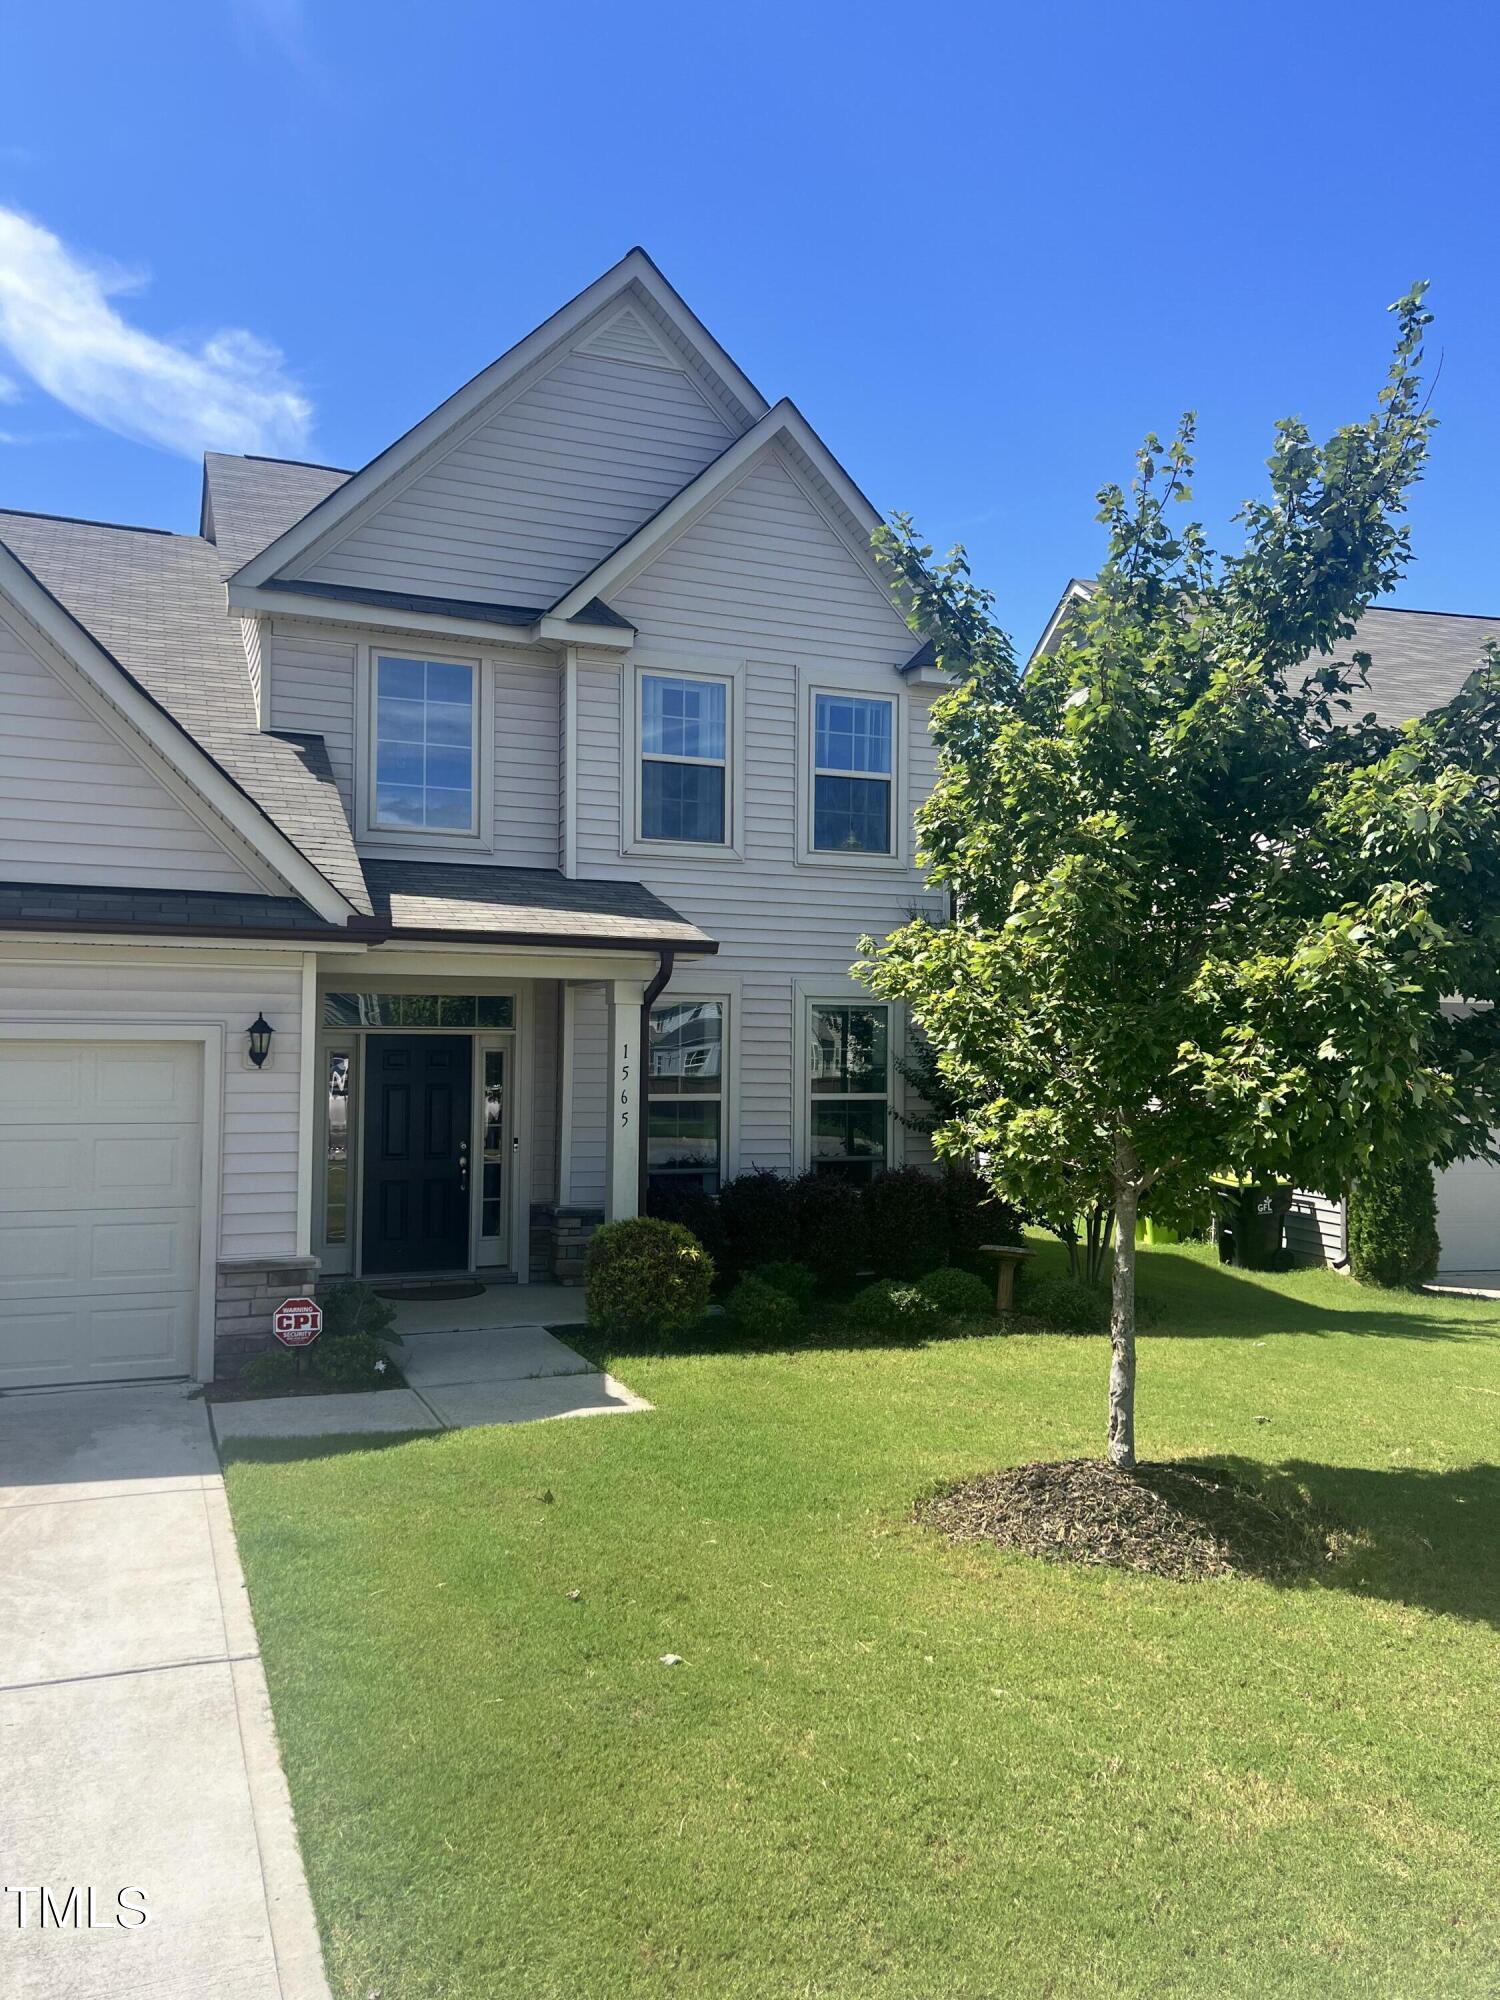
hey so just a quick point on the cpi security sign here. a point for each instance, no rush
(297, 1322)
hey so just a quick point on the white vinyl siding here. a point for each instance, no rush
(523, 506)
(1315, 1228)
(764, 578)
(311, 677)
(77, 804)
(132, 986)
(590, 1084)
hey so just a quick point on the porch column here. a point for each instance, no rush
(624, 1103)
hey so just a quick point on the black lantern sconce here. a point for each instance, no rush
(259, 1039)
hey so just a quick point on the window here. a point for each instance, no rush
(336, 1149)
(685, 1095)
(849, 1083)
(684, 733)
(424, 765)
(419, 1010)
(492, 1146)
(852, 774)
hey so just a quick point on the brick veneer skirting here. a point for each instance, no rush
(572, 1229)
(249, 1291)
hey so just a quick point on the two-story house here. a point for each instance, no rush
(400, 873)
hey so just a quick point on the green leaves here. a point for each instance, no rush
(1202, 908)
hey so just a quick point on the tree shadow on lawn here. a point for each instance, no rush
(1405, 1534)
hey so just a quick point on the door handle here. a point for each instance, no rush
(463, 1166)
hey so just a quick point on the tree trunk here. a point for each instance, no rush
(1122, 1312)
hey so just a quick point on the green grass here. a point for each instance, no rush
(891, 1767)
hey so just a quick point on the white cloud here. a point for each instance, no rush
(58, 325)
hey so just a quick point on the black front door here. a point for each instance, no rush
(417, 1110)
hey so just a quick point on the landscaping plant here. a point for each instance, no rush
(1393, 1236)
(828, 1221)
(646, 1276)
(958, 1294)
(1206, 911)
(761, 1313)
(755, 1213)
(906, 1222)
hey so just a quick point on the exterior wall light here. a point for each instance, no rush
(259, 1039)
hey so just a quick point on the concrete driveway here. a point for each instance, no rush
(136, 1746)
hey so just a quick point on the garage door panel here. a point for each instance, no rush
(99, 1210)
(1468, 1198)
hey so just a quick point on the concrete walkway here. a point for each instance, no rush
(457, 1378)
(136, 1744)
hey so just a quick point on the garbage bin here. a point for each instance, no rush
(1250, 1223)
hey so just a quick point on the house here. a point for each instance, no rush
(1418, 661)
(400, 873)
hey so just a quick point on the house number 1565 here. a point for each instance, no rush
(624, 1084)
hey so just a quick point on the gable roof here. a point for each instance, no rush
(783, 427)
(249, 501)
(1418, 659)
(148, 607)
(659, 311)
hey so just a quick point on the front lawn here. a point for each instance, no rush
(890, 1766)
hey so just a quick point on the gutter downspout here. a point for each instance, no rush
(648, 1001)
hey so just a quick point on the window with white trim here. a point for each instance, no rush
(683, 732)
(849, 1086)
(423, 765)
(853, 774)
(685, 1095)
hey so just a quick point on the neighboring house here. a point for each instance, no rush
(1418, 661)
(583, 697)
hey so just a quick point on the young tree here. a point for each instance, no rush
(1205, 916)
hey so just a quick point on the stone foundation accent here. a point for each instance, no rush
(249, 1291)
(572, 1230)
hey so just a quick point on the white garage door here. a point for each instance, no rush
(1468, 1198)
(100, 1155)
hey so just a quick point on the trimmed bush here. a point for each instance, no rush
(352, 1310)
(958, 1294)
(696, 1211)
(888, 1307)
(760, 1314)
(1393, 1236)
(755, 1212)
(828, 1219)
(793, 1281)
(351, 1359)
(275, 1369)
(646, 1276)
(1066, 1306)
(976, 1214)
(906, 1223)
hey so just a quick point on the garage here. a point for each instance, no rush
(1468, 1197)
(100, 1196)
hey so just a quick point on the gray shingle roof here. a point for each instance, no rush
(156, 603)
(65, 906)
(525, 903)
(248, 502)
(1418, 659)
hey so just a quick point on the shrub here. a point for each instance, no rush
(275, 1369)
(762, 1314)
(828, 1220)
(755, 1211)
(351, 1358)
(1393, 1236)
(976, 1214)
(958, 1294)
(696, 1211)
(906, 1223)
(888, 1307)
(1066, 1306)
(351, 1309)
(793, 1281)
(646, 1276)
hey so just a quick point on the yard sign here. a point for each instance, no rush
(297, 1322)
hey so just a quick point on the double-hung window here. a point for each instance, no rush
(685, 1095)
(424, 771)
(853, 774)
(684, 760)
(849, 1061)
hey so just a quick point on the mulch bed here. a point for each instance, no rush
(232, 1390)
(1183, 1522)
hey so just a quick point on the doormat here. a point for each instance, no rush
(423, 1294)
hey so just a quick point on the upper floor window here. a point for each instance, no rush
(424, 772)
(852, 774)
(684, 745)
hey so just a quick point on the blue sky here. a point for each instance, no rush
(982, 246)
